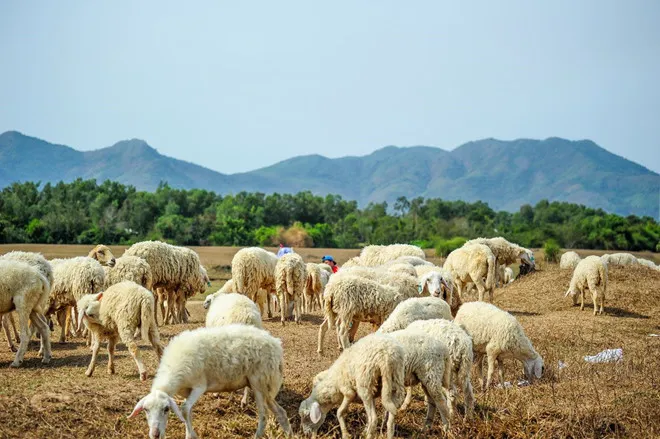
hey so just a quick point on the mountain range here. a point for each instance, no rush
(505, 174)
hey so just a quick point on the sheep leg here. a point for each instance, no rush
(154, 339)
(283, 307)
(322, 330)
(298, 310)
(24, 326)
(112, 343)
(61, 320)
(353, 330)
(261, 409)
(372, 415)
(126, 336)
(280, 415)
(408, 399)
(41, 325)
(5, 326)
(341, 411)
(582, 300)
(435, 398)
(481, 288)
(246, 396)
(492, 363)
(500, 371)
(468, 396)
(156, 303)
(342, 331)
(162, 304)
(186, 410)
(96, 344)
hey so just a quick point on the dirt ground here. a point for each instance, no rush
(581, 400)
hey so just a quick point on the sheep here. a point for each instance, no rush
(23, 288)
(313, 287)
(176, 300)
(461, 354)
(589, 274)
(415, 308)
(505, 252)
(103, 254)
(232, 308)
(647, 263)
(373, 255)
(473, 263)
(325, 267)
(619, 259)
(437, 282)
(40, 263)
(129, 268)
(352, 262)
(221, 359)
(253, 268)
(498, 335)
(427, 362)
(290, 279)
(400, 268)
(376, 362)
(415, 261)
(117, 313)
(72, 279)
(508, 275)
(569, 261)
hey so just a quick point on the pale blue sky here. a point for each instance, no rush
(239, 85)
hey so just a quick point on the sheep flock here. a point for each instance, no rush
(424, 325)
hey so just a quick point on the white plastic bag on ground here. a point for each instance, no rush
(606, 356)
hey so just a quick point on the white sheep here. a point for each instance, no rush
(437, 282)
(472, 263)
(505, 252)
(619, 259)
(647, 263)
(374, 255)
(325, 267)
(569, 260)
(129, 268)
(290, 279)
(427, 362)
(498, 335)
(222, 359)
(589, 274)
(24, 289)
(103, 254)
(508, 275)
(415, 261)
(461, 353)
(115, 314)
(415, 308)
(194, 285)
(252, 269)
(313, 292)
(375, 363)
(399, 267)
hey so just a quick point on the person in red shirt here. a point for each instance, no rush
(329, 260)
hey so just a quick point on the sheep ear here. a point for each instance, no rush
(176, 410)
(99, 296)
(315, 412)
(138, 408)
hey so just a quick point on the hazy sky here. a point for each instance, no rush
(239, 85)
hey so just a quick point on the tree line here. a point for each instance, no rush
(84, 212)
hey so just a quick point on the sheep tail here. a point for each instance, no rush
(329, 312)
(44, 297)
(146, 316)
(491, 277)
(393, 392)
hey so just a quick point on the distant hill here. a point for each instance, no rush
(505, 174)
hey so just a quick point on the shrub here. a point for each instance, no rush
(445, 246)
(551, 251)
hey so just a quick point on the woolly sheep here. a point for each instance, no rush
(569, 260)
(373, 255)
(461, 354)
(415, 261)
(498, 335)
(253, 268)
(24, 289)
(313, 287)
(290, 279)
(129, 268)
(117, 313)
(508, 275)
(220, 359)
(415, 308)
(103, 254)
(228, 287)
(647, 263)
(400, 268)
(232, 308)
(72, 279)
(373, 360)
(589, 274)
(505, 252)
(437, 282)
(472, 263)
(427, 363)
(325, 267)
(619, 259)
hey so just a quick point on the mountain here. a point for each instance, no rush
(505, 174)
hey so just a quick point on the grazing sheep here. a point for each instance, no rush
(313, 287)
(40, 263)
(461, 354)
(102, 254)
(290, 279)
(427, 362)
(569, 261)
(115, 314)
(472, 263)
(194, 285)
(498, 335)
(415, 308)
(231, 308)
(400, 268)
(24, 289)
(505, 252)
(222, 359)
(415, 261)
(374, 255)
(619, 259)
(72, 279)
(253, 268)
(376, 362)
(129, 268)
(590, 274)
(647, 263)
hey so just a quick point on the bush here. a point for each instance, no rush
(551, 251)
(445, 246)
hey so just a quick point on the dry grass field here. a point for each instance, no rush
(582, 400)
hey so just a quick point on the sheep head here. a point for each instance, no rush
(103, 254)
(157, 406)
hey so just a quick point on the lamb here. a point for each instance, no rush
(590, 274)
(117, 313)
(73, 278)
(129, 268)
(40, 263)
(313, 287)
(103, 254)
(569, 260)
(459, 344)
(506, 253)
(498, 335)
(222, 359)
(427, 362)
(290, 279)
(253, 268)
(23, 288)
(373, 360)
(374, 255)
(473, 263)
(619, 259)
(415, 308)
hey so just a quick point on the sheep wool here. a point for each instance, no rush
(373, 255)
(473, 263)
(619, 259)
(313, 287)
(231, 308)
(506, 253)
(103, 254)
(253, 268)
(569, 260)
(129, 268)
(290, 280)
(589, 274)
(415, 308)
